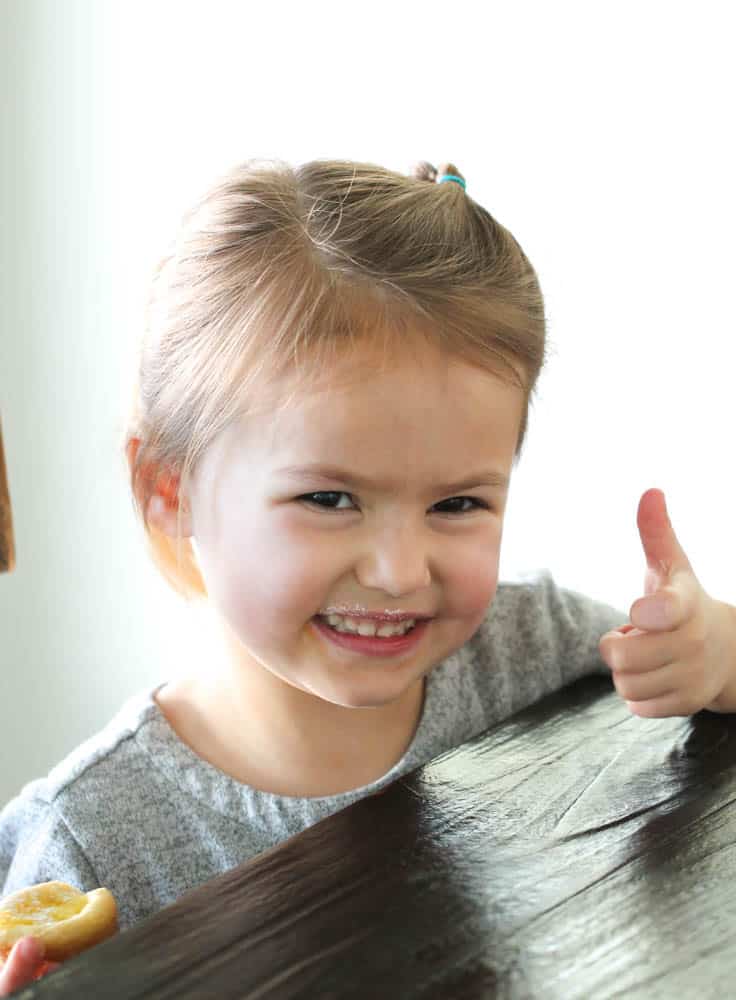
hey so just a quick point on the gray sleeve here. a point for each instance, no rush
(36, 846)
(573, 625)
(538, 638)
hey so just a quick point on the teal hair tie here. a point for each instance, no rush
(452, 177)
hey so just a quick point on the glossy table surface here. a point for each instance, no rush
(573, 851)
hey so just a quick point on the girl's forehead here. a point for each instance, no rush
(372, 403)
(446, 412)
(371, 373)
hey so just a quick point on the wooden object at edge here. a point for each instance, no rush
(7, 546)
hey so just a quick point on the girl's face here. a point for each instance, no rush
(277, 547)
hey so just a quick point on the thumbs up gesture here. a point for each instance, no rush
(678, 655)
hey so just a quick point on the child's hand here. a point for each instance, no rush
(679, 654)
(24, 964)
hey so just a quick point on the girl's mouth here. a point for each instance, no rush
(372, 645)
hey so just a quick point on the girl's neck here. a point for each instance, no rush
(275, 749)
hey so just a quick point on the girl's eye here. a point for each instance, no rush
(476, 501)
(307, 496)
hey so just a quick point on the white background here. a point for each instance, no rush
(599, 133)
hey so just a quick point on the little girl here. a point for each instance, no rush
(333, 389)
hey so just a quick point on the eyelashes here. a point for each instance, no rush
(306, 498)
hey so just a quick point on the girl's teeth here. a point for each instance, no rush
(386, 629)
(355, 627)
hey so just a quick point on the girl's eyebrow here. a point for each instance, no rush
(491, 477)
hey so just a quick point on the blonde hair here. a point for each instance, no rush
(280, 270)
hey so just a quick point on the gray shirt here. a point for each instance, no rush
(136, 810)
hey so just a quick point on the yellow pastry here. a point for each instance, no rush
(66, 920)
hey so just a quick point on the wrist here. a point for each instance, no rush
(726, 700)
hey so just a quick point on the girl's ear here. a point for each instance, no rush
(163, 514)
(165, 499)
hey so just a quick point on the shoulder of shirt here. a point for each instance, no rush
(523, 584)
(99, 748)
(523, 597)
(535, 594)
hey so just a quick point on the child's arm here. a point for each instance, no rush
(536, 638)
(37, 845)
(680, 656)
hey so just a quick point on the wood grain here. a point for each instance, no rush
(573, 851)
(7, 544)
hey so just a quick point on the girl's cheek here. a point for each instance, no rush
(283, 572)
(474, 587)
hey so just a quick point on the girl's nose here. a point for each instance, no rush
(397, 563)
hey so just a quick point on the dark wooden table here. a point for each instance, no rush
(574, 851)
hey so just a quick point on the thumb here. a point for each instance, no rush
(664, 554)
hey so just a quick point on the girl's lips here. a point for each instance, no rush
(370, 645)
